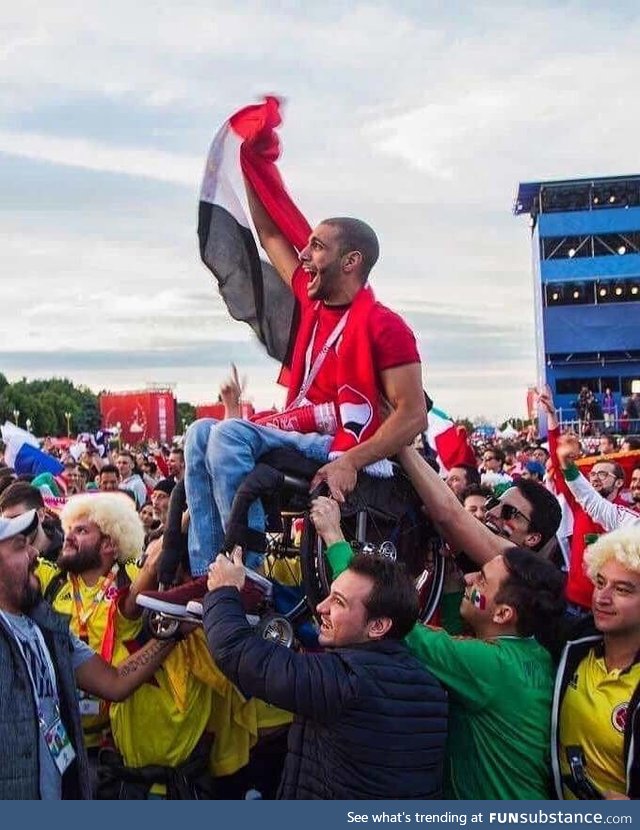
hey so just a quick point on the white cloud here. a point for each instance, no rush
(422, 122)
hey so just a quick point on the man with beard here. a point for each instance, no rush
(348, 351)
(594, 495)
(95, 582)
(42, 754)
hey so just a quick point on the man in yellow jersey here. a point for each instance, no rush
(95, 581)
(595, 729)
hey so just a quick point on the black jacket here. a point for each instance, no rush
(370, 719)
(574, 651)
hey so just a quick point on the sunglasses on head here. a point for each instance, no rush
(507, 511)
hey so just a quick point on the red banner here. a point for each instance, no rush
(142, 416)
(627, 461)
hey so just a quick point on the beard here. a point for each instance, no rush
(329, 280)
(31, 594)
(30, 597)
(78, 561)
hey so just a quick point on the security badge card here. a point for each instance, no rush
(89, 705)
(59, 745)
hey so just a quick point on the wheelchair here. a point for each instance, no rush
(383, 516)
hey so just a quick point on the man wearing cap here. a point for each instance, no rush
(19, 498)
(41, 662)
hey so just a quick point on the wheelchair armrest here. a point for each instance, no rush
(298, 485)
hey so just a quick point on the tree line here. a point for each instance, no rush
(45, 404)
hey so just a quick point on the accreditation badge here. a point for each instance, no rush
(59, 745)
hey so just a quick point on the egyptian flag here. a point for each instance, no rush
(247, 145)
(449, 441)
(23, 453)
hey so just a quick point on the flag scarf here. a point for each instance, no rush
(448, 441)
(247, 145)
(23, 453)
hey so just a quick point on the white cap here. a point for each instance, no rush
(25, 523)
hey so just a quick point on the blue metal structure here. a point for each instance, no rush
(586, 266)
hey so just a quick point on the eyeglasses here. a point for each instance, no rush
(600, 474)
(488, 458)
(507, 511)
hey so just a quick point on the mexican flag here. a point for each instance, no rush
(448, 441)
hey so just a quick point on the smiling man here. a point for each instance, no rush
(500, 680)
(349, 352)
(370, 720)
(526, 515)
(598, 683)
(42, 753)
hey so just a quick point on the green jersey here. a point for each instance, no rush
(500, 695)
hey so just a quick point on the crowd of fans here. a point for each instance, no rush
(200, 718)
(527, 688)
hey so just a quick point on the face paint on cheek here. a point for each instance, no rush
(478, 599)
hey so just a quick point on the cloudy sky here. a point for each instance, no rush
(420, 117)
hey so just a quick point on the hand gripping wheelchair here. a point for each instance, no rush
(383, 516)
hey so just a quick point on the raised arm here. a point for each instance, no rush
(459, 528)
(280, 251)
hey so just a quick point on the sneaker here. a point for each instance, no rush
(256, 592)
(176, 600)
(195, 609)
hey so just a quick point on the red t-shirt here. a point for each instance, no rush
(393, 342)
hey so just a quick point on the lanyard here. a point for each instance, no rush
(43, 654)
(311, 372)
(82, 615)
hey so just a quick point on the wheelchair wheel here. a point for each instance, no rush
(407, 535)
(159, 625)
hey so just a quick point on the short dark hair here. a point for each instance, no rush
(633, 441)
(393, 594)
(546, 513)
(476, 490)
(356, 235)
(20, 492)
(535, 589)
(179, 451)
(472, 474)
(109, 468)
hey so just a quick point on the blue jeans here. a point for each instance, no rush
(218, 455)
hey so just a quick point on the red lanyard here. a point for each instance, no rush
(84, 616)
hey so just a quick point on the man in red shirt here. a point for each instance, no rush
(350, 351)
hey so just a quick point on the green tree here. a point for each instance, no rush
(186, 415)
(44, 403)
